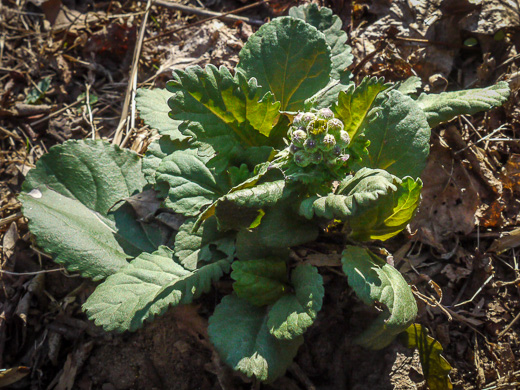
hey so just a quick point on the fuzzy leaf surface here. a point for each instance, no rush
(67, 199)
(293, 313)
(447, 105)
(373, 280)
(328, 96)
(240, 334)
(399, 137)
(193, 247)
(354, 105)
(230, 109)
(261, 170)
(330, 25)
(146, 287)
(190, 184)
(282, 227)
(153, 108)
(289, 58)
(390, 214)
(260, 282)
(239, 209)
(410, 86)
(354, 196)
(436, 368)
(156, 152)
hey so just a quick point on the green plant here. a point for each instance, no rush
(250, 164)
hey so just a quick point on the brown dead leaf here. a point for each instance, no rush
(492, 16)
(12, 375)
(511, 173)
(418, 20)
(455, 273)
(9, 248)
(145, 203)
(323, 260)
(450, 199)
(75, 361)
(506, 241)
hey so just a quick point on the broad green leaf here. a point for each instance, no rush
(289, 58)
(399, 137)
(249, 247)
(193, 247)
(390, 215)
(447, 105)
(355, 104)
(240, 334)
(292, 314)
(262, 171)
(410, 86)
(136, 293)
(72, 200)
(330, 25)
(282, 227)
(328, 96)
(240, 208)
(155, 153)
(230, 109)
(354, 196)
(436, 368)
(260, 282)
(153, 108)
(373, 280)
(190, 184)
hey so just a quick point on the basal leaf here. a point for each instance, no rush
(190, 184)
(373, 280)
(390, 215)
(289, 58)
(260, 282)
(293, 313)
(153, 108)
(355, 104)
(447, 105)
(330, 25)
(410, 86)
(328, 96)
(399, 137)
(192, 247)
(240, 334)
(282, 227)
(240, 208)
(354, 196)
(146, 287)
(230, 109)
(249, 247)
(244, 201)
(68, 200)
(155, 153)
(436, 368)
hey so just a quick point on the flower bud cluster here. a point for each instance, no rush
(318, 137)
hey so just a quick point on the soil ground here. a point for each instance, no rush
(459, 252)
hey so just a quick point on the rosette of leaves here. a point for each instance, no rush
(226, 171)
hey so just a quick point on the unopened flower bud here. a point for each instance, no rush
(325, 113)
(302, 159)
(317, 157)
(310, 145)
(297, 119)
(298, 137)
(334, 125)
(344, 138)
(327, 143)
(307, 118)
(293, 148)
